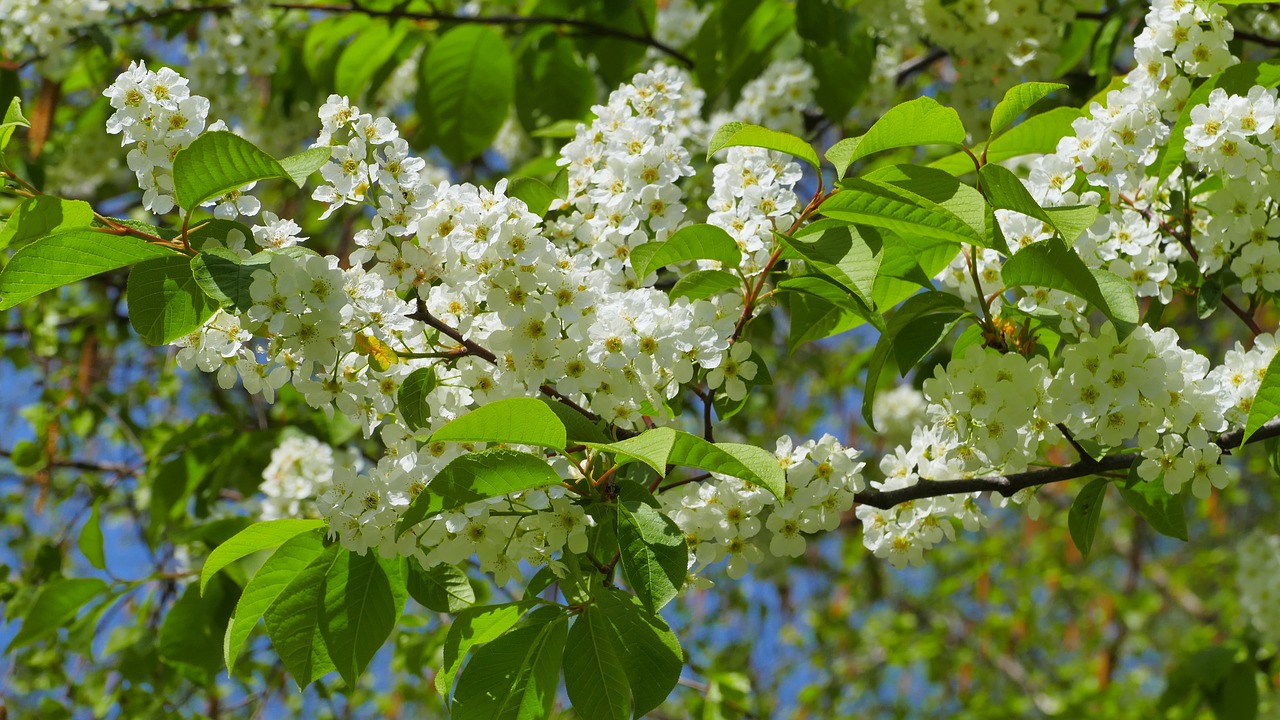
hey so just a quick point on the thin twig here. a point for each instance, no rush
(1007, 485)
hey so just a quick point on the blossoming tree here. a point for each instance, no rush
(502, 310)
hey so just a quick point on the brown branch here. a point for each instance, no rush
(917, 64)
(398, 13)
(483, 353)
(1007, 485)
(86, 465)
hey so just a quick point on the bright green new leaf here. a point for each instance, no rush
(536, 194)
(55, 605)
(940, 187)
(664, 446)
(165, 300)
(91, 540)
(593, 676)
(848, 254)
(293, 620)
(1037, 135)
(259, 536)
(1051, 264)
(650, 652)
(216, 163)
(692, 242)
(515, 676)
(1162, 511)
(266, 585)
(1266, 403)
(412, 397)
(918, 122)
(890, 207)
(359, 612)
(440, 588)
(1006, 192)
(1086, 514)
(466, 90)
(1017, 100)
(702, 284)
(524, 421)
(739, 134)
(655, 556)
(300, 166)
(478, 476)
(474, 627)
(13, 119)
(44, 215)
(68, 256)
(226, 278)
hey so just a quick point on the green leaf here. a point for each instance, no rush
(359, 612)
(266, 585)
(536, 194)
(1266, 403)
(519, 420)
(259, 536)
(44, 215)
(739, 134)
(193, 630)
(1086, 514)
(91, 542)
(819, 309)
(1237, 696)
(300, 166)
(691, 242)
(478, 476)
(650, 652)
(226, 278)
(412, 397)
(369, 50)
(215, 163)
(593, 676)
(440, 588)
(55, 605)
(921, 322)
(840, 69)
(473, 627)
(702, 284)
(13, 119)
(1051, 264)
(1162, 511)
(466, 91)
(1017, 100)
(848, 254)
(664, 446)
(918, 122)
(293, 620)
(165, 301)
(941, 188)
(655, 556)
(888, 206)
(553, 83)
(1037, 135)
(67, 256)
(515, 676)
(578, 428)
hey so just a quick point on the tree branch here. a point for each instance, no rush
(398, 13)
(1007, 485)
(918, 63)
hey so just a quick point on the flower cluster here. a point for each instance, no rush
(722, 517)
(777, 99)
(623, 169)
(752, 197)
(157, 114)
(301, 468)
